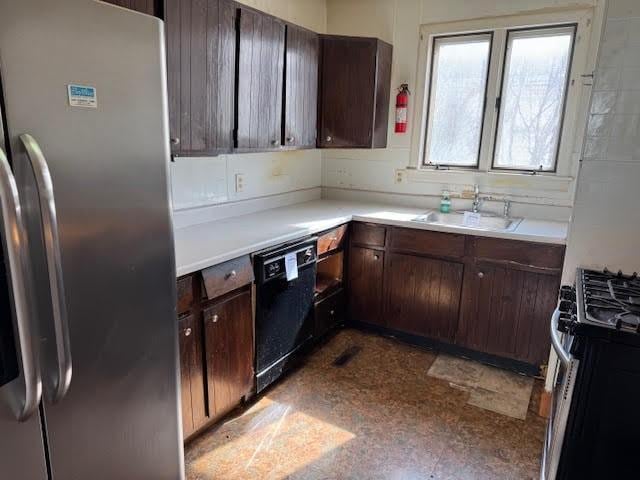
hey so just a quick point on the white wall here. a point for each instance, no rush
(210, 181)
(606, 224)
(383, 171)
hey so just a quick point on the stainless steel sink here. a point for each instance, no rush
(486, 221)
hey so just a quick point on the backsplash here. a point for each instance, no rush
(198, 182)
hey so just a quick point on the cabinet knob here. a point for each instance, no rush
(332, 313)
(275, 143)
(187, 332)
(480, 275)
(175, 141)
(232, 274)
(329, 138)
(376, 257)
(214, 319)
(290, 139)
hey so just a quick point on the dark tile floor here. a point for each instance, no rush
(377, 417)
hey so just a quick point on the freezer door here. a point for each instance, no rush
(21, 442)
(85, 98)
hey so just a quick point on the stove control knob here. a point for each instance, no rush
(566, 323)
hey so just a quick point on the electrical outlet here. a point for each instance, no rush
(239, 182)
(399, 176)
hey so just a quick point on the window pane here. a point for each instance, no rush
(456, 107)
(533, 94)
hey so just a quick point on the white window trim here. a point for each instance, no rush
(430, 100)
(570, 143)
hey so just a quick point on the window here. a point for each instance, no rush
(496, 99)
(457, 98)
(532, 100)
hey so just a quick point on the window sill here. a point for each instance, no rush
(499, 182)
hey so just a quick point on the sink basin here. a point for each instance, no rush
(456, 219)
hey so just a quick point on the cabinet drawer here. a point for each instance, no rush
(332, 240)
(227, 276)
(369, 235)
(185, 293)
(539, 257)
(436, 244)
(329, 312)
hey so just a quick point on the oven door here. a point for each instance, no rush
(564, 382)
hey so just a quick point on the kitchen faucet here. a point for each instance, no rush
(476, 199)
(507, 208)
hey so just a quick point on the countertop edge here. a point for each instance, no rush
(345, 218)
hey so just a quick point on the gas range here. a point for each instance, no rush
(610, 299)
(595, 332)
(602, 302)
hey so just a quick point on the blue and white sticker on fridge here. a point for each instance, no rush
(83, 96)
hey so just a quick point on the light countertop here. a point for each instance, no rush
(207, 244)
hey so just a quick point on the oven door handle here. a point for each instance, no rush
(564, 356)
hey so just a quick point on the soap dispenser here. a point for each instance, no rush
(445, 202)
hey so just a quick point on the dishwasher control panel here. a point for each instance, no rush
(271, 265)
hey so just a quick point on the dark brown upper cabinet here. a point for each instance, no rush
(355, 83)
(201, 46)
(150, 7)
(260, 73)
(301, 88)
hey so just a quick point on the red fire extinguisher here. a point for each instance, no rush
(402, 104)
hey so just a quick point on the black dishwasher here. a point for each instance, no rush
(284, 308)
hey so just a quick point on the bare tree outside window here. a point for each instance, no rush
(533, 93)
(457, 97)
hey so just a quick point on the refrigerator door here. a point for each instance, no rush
(22, 452)
(86, 82)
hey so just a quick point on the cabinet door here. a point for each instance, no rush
(191, 375)
(348, 81)
(260, 77)
(506, 312)
(200, 37)
(423, 296)
(150, 7)
(354, 92)
(301, 88)
(229, 347)
(365, 285)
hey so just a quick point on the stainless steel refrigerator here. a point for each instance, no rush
(88, 334)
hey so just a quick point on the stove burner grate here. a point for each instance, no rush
(612, 299)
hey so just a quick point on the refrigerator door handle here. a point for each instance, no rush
(49, 221)
(15, 245)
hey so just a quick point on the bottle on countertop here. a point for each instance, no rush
(445, 202)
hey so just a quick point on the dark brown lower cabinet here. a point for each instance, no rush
(191, 374)
(494, 296)
(229, 351)
(506, 311)
(365, 285)
(329, 312)
(423, 295)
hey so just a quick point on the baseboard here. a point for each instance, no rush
(430, 344)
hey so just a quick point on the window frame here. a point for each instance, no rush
(429, 99)
(583, 59)
(565, 94)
